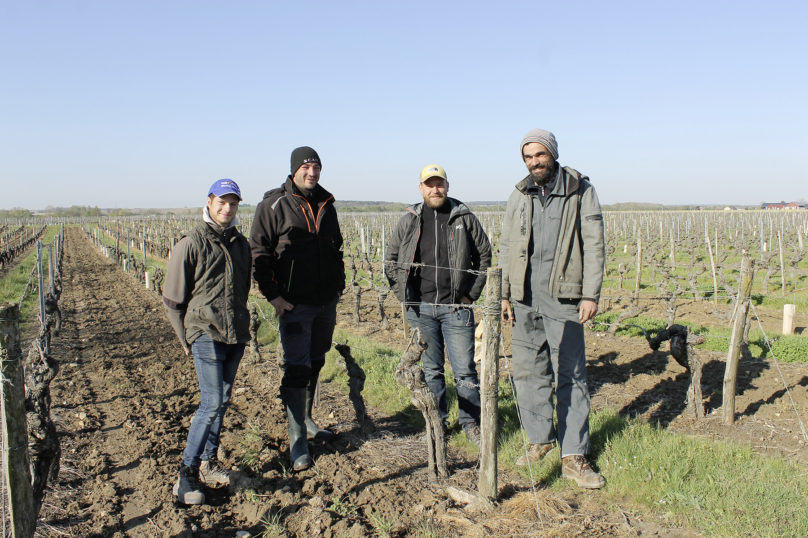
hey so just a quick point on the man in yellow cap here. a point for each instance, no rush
(435, 263)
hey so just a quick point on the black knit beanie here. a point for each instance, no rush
(301, 156)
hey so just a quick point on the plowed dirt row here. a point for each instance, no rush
(123, 403)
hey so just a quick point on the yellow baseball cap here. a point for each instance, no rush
(433, 170)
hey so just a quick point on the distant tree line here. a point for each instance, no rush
(14, 213)
(353, 206)
(73, 211)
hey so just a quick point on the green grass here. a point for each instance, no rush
(792, 348)
(721, 488)
(379, 363)
(12, 285)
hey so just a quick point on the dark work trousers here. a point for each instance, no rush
(451, 328)
(216, 366)
(306, 335)
(547, 350)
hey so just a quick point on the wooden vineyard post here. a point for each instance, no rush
(405, 322)
(731, 371)
(489, 380)
(16, 464)
(712, 265)
(639, 269)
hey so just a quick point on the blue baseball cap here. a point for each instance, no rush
(225, 186)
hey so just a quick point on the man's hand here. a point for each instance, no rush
(281, 305)
(465, 300)
(507, 313)
(185, 348)
(587, 310)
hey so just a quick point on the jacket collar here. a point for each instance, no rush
(568, 181)
(319, 195)
(457, 208)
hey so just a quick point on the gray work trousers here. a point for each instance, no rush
(547, 350)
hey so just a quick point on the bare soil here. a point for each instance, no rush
(126, 394)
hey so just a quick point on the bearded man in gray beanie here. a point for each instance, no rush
(552, 255)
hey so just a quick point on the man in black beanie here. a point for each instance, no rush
(297, 262)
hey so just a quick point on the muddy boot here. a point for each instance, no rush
(535, 453)
(186, 488)
(577, 468)
(312, 428)
(295, 400)
(213, 473)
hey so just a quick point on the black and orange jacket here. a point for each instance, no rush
(297, 246)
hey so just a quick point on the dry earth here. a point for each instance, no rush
(126, 393)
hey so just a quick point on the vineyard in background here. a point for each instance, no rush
(656, 261)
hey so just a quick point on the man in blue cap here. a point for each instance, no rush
(205, 297)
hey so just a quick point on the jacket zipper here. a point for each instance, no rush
(437, 284)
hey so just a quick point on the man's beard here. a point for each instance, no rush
(542, 176)
(435, 203)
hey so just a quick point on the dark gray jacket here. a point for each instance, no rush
(469, 248)
(579, 257)
(207, 285)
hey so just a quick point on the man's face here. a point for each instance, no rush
(434, 191)
(540, 162)
(223, 210)
(307, 177)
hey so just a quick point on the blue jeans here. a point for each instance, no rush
(450, 328)
(216, 366)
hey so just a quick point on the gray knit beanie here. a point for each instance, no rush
(545, 138)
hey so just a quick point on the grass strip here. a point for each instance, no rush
(134, 253)
(792, 348)
(12, 285)
(721, 488)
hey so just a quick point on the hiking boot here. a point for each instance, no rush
(472, 433)
(186, 488)
(535, 453)
(577, 468)
(213, 473)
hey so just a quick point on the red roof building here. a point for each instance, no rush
(783, 205)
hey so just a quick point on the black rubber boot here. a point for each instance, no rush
(312, 428)
(187, 488)
(295, 400)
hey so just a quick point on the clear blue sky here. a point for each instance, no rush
(146, 103)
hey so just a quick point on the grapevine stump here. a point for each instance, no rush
(410, 375)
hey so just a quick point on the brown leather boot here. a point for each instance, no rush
(535, 453)
(577, 468)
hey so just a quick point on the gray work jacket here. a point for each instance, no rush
(577, 271)
(208, 284)
(469, 248)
